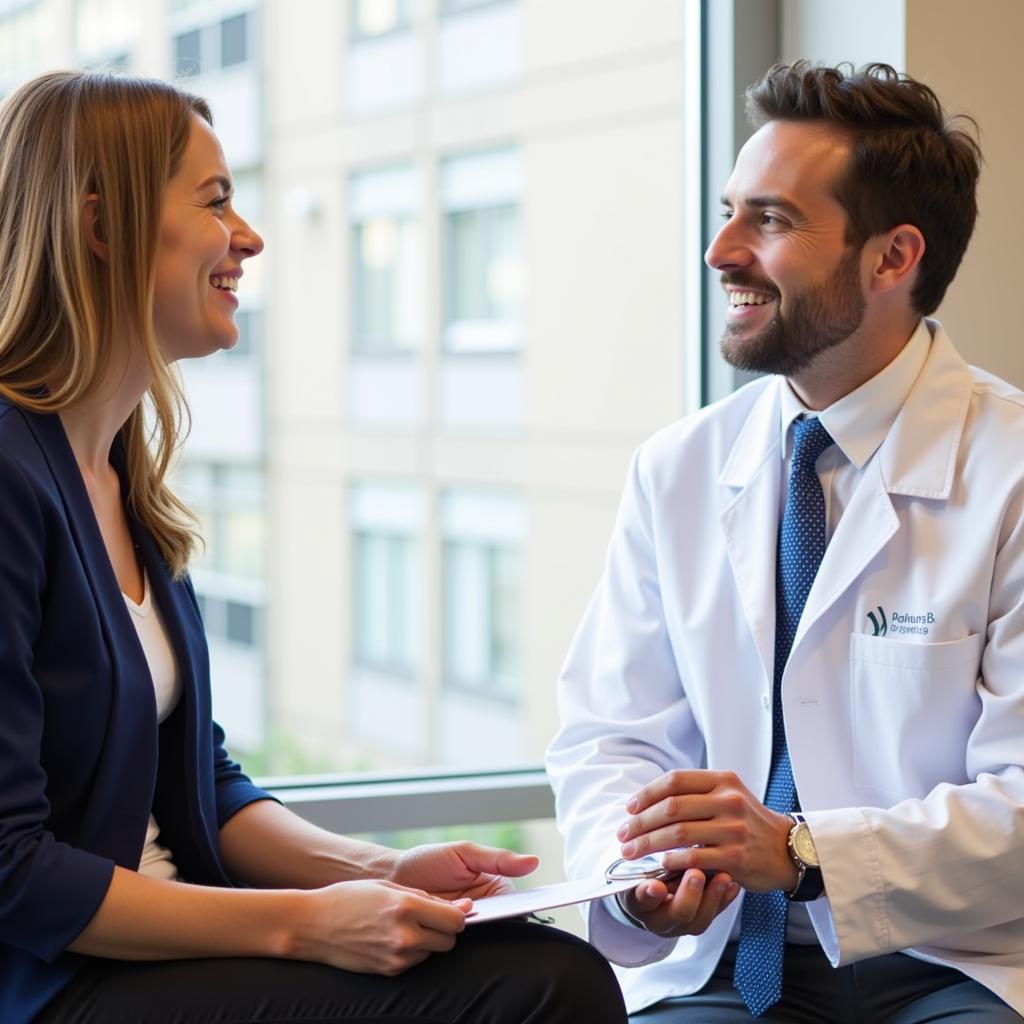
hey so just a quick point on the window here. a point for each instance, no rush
(26, 35)
(483, 252)
(475, 327)
(372, 18)
(481, 615)
(483, 593)
(229, 501)
(458, 6)
(234, 40)
(229, 576)
(106, 31)
(386, 579)
(186, 53)
(200, 49)
(387, 301)
(383, 599)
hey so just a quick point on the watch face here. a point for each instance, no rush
(803, 845)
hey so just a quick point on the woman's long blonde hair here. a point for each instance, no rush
(63, 311)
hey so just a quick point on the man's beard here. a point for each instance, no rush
(819, 318)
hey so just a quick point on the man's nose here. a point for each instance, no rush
(727, 248)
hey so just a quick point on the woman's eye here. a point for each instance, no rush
(221, 203)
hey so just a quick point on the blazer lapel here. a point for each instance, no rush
(123, 787)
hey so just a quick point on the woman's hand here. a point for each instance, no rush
(375, 927)
(454, 870)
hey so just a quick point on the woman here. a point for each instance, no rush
(142, 875)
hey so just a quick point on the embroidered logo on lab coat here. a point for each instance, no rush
(902, 623)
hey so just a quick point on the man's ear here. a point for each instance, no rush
(897, 255)
(93, 228)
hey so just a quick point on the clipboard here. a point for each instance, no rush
(545, 897)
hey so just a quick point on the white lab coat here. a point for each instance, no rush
(907, 747)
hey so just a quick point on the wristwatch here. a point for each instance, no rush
(809, 884)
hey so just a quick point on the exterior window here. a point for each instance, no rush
(483, 261)
(386, 523)
(372, 18)
(231, 571)
(384, 596)
(481, 617)
(250, 327)
(106, 31)
(200, 49)
(234, 40)
(186, 53)
(483, 537)
(386, 261)
(458, 6)
(484, 258)
(25, 34)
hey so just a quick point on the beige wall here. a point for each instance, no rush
(970, 54)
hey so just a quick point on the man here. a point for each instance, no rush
(802, 673)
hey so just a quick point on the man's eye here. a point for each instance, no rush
(770, 219)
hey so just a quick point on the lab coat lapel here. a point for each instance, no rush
(750, 521)
(917, 459)
(868, 523)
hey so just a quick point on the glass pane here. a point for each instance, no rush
(456, 6)
(467, 612)
(386, 289)
(384, 580)
(234, 40)
(376, 17)
(186, 53)
(442, 222)
(244, 543)
(241, 623)
(506, 636)
(245, 321)
(485, 264)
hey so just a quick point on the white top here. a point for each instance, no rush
(156, 859)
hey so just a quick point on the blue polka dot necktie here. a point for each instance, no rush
(758, 972)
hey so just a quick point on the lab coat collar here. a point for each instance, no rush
(859, 421)
(918, 454)
(758, 438)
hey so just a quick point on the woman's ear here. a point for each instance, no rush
(93, 228)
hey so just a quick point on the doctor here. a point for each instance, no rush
(801, 677)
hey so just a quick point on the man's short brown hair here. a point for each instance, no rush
(911, 164)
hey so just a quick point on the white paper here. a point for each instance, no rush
(546, 897)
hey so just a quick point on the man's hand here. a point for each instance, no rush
(683, 906)
(460, 870)
(710, 821)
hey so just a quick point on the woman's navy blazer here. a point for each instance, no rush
(82, 760)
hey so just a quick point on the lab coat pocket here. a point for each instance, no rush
(912, 707)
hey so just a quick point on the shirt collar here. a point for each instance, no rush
(859, 421)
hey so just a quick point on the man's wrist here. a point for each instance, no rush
(632, 919)
(804, 855)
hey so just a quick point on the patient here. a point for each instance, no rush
(142, 875)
